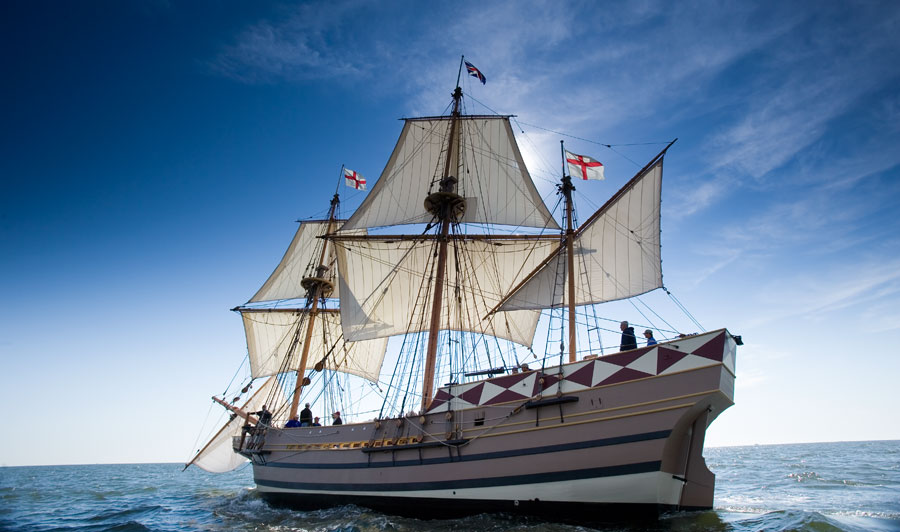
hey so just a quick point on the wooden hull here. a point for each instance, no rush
(620, 435)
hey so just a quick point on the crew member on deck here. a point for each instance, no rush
(306, 416)
(293, 422)
(316, 423)
(648, 334)
(336, 419)
(265, 417)
(628, 339)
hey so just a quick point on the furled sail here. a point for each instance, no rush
(616, 252)
(299, 261)
(488, 165)
(217, 455)
(270, 333)
(385, 286)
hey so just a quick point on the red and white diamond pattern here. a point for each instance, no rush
(670, 357)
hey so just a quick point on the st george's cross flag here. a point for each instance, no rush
(583, 167)
(475, 73)
(354, 180)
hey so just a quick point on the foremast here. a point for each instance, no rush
(618, 251)
(447, 207)
(566, 188)
(316, 287)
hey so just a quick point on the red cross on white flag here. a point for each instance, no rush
(583, 167)
(354, 180)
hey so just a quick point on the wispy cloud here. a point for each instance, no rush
(872, 283)
(881, 317)
(721, 257)
(801, 88)
(298, 47)
(557, 68)
(765, 82)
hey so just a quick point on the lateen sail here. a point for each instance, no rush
(218, 456)
(382, 292)
(617, 251)
(491, 174)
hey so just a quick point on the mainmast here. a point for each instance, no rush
(447, 207)
(567, 187)
(316, 288)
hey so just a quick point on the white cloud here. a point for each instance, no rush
(815, 293)
(698, 197)
(298, 46)
(812, 79)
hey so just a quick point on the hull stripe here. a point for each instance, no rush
(534, 478)
(631, 438)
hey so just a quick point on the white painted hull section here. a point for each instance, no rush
(649, 488)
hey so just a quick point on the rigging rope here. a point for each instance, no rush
(684, 309)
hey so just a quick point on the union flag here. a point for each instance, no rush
(475, 73)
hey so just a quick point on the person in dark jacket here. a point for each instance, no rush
(628, 339)
(336, 419)
(265, 417)
(306, 416)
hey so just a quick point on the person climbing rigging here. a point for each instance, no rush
(265, 417)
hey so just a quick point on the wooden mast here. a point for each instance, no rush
(567, 189)
(316, 288)
(447, 206)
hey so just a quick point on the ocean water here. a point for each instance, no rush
(818, 487)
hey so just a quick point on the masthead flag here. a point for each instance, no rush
(584, 167)
(475, 73)
(354, 180)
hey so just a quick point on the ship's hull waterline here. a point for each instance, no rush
(621, 433)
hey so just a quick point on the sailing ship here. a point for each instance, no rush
(471, 418)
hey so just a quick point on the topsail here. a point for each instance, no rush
(275, 334)
(491, 175)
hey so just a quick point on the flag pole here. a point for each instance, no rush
(459, 72)
(562, 154)
(337, 189)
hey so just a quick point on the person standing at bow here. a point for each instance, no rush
(628, 339)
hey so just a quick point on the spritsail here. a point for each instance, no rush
(218, 455)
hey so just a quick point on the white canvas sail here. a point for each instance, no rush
(271, 332)
(385, 286)
(616, 252)
(299, 261)
(217, 456)
(488, 165)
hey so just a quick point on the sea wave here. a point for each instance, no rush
(814, 487)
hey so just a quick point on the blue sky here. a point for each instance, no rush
(154, 156)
